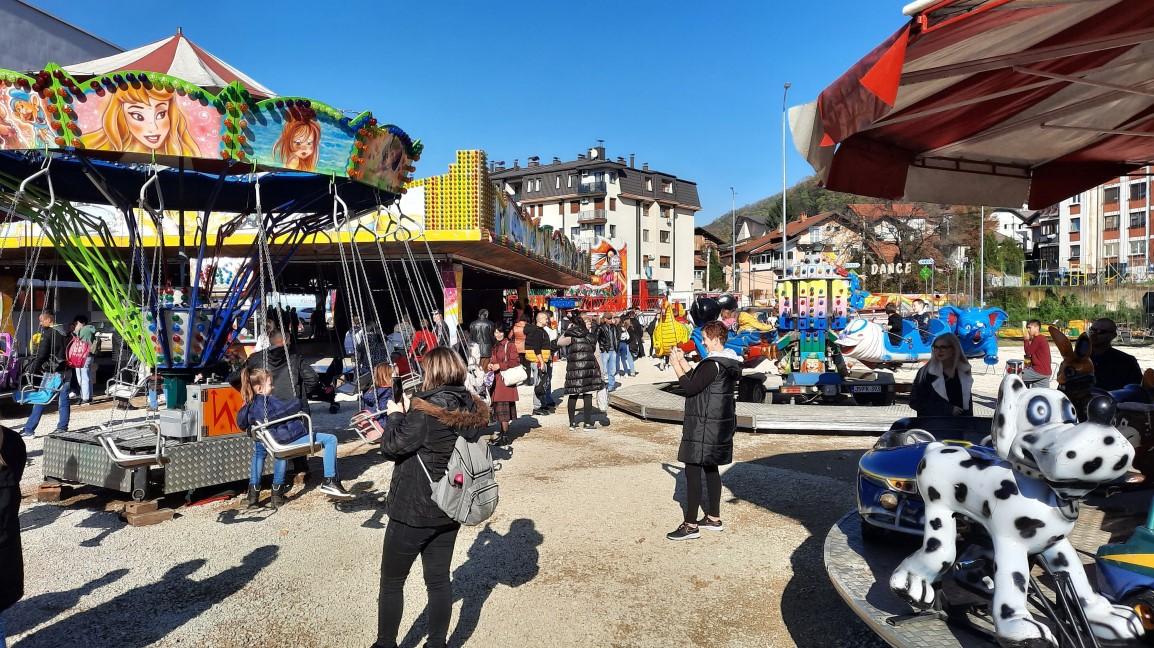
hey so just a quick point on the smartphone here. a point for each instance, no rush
(398, 390)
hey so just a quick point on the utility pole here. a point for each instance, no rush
(784, 180)
(982, 260)
(733, 232)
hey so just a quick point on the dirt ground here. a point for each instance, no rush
(575, 555)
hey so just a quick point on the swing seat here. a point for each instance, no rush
(108, 435)
(303, 447)
(42, 391)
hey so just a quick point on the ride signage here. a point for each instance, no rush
(891, 268)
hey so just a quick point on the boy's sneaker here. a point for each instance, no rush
(333, 488)
(253, 495)
(710, 525)
(590, 426)
(683, 532)
(573, 426)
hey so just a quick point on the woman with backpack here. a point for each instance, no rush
(418, 438)
(81, 349)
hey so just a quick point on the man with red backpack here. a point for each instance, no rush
(49, 359)
(81, 350)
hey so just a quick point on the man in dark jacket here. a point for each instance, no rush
(481, 334)
(286, 385)
(539, 355)
(13, 457)
(441, 330)
(708, 426)
(49, 359)
(608, 338)
(1113, 369)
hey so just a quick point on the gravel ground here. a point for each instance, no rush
(573, 557)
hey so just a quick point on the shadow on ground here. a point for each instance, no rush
(141, 616)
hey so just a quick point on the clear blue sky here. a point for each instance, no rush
(693, 88)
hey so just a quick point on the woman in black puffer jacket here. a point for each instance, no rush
(441, 412)
(13, 456)
(582, 371)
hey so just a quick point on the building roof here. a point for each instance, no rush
(772, 240)
(708, 235)
(878, 211)
(631, 179)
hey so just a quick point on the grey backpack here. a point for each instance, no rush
(468, 491)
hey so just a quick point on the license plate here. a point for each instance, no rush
(793, 390)
(867, 389)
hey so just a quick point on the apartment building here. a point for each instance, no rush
(1099, 234)
(649, 212)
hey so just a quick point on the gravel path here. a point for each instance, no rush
(575, 555)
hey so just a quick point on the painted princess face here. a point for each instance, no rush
(148, 123)
(303, 146)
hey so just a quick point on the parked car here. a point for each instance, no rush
(305, 328)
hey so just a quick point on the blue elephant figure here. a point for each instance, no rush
(977, 329)
(857, 295)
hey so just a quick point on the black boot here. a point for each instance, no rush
(253, 495)
(278, 495)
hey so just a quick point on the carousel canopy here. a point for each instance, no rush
(176, 56)
(996, 102)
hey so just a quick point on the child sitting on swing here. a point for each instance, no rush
(377, 397)
(260, 406)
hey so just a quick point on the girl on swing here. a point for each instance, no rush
(259, 406)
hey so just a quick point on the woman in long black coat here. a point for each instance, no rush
(709, 423)
(582, 371)
(13, 456)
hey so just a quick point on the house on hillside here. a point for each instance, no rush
(706, 245)
(750, 228)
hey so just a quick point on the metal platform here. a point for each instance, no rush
(860, 573)
(653, 402)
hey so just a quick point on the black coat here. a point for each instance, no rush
(710, 412)
(481, 333)
(430, 428)
(582, 372)
(285, 387)
(608, 336)
(14, 456)
(51, 352)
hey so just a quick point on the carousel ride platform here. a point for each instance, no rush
(656, 402)
(860, 572)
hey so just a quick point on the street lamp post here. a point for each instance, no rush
(733, 232)
(784, 179)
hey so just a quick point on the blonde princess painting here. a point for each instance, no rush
(298, 146)
(143, 120)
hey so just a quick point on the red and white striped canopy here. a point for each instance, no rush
(995, 102)
(178, 57)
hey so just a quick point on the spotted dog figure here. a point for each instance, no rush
(1025, 493)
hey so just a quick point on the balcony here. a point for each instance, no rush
(591, 217)
(586, 188)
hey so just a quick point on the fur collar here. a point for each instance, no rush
(462, 419)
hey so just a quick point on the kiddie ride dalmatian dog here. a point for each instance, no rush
(1026, 497)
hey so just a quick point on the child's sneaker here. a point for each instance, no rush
(710, 525)
(684, 532)
(334, 489)
(253, 495)
(573, 426)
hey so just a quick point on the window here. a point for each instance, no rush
(1136, 248)
(1113, 222)
(557, 185)
(1138, 219)
(1138, 191)
(1110, 194)
(537, 184)
(1075, 225)
(612, 177)
(1076, 199)
(698, 275)
(561, 209)
(570, 181)
(645, 235)
(664, 236)
(649, 184)
(573, 232)
(612, 204)
(667, 186)
(612, 231)
(665, 262)
(1075, 251)
(599, 230)
(1110, 249)
(574, 207)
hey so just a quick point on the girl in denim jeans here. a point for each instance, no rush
(261, 405)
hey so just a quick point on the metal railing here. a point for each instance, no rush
(591, 215)
(591, 188)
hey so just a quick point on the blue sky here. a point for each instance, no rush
(693, 88)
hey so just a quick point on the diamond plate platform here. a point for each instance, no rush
(652, 402)
(860, 573)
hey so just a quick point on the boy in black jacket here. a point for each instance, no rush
(49, 359)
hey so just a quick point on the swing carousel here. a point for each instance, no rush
(178, 203)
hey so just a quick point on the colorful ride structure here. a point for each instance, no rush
(870, 343)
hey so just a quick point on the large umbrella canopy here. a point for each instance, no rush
(178, 57)
(996, 102)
